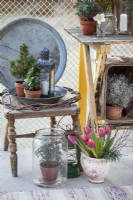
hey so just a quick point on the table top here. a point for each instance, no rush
(110, 39)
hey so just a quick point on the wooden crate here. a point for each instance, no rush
(118, 66)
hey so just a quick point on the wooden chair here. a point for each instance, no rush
(12, 115)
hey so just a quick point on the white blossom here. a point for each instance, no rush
(99, 18)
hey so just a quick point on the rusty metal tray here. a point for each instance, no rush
(59, 92)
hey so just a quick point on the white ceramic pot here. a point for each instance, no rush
(96, 169)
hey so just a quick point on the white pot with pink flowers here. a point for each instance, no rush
(99, 145)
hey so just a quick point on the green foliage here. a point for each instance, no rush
(103, 147)
(32, 81)
(98, 142)
(49, 153)
(129, 5)
(21, 66)
(103, 1)
(87, 9)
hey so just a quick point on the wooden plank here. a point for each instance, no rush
(83, 89)
(90, 86)
(93, 39)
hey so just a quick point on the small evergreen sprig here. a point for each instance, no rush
(49, 154)
(20, 67)
(32, 81)
(119, 91)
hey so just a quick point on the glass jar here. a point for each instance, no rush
(107, 27)
(50, 157)
(123, 18)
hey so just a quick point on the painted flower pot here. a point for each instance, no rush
(96, 169)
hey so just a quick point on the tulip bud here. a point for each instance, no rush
(101, 132)
(91, 143)
(72, 139)
(76, 132)
(88, 129)
(84, 137)
(107, 130)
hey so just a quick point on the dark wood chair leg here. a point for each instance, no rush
(75, 120)
(12, 147)
(6, 141)
(53, 122)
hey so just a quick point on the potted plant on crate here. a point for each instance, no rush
(118, 95)
(20, 67)
(86, 10)
(49, 157)
(32, 86)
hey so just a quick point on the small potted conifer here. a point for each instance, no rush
(20, 67)
(50, 158)
(32, 83)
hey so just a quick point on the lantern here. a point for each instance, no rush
(73, 157)
(47, 67)
(123, 17)
(73, 154)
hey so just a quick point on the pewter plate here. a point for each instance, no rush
(59, 92)
(37, 35)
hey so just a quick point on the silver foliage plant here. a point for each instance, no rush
(119, 91)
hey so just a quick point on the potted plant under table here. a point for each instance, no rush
(118, 95)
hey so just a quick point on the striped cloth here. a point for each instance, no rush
(108, 193)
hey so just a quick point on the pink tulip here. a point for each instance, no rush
(101, 132)
(107, 130)
(91, 143)
(72, 139)
(88, 129)
(85, 137)
(76, 133)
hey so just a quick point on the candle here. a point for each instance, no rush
(123, 22)
(45, 87)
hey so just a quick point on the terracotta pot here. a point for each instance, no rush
(88, 27)
(32, 94)
(113, 112)
(96, 169)
(74, 1)
(49, 174)
(20, 88)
